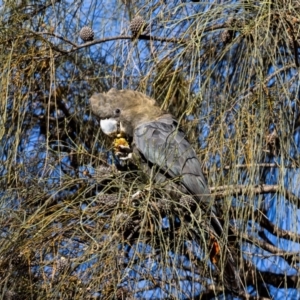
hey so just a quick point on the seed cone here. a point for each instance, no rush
(86, 34)
(137, 25)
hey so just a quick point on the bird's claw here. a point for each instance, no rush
(124, 153)
(124, 149)
(121, 156)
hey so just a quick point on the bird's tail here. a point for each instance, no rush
(231, 277)
(225, 259)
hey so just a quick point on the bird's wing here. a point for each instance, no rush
(162, 143)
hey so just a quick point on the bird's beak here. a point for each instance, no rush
(109, 126)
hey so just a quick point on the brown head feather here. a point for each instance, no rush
(131, 108)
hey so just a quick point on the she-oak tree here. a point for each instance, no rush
(74, 223)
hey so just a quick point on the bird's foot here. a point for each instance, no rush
(121, 156)
(124, 153)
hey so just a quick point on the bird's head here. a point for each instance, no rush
(120, 111)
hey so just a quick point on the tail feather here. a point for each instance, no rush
(231, 277)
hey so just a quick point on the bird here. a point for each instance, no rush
(155, 136)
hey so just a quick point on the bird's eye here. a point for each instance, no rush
(117, 111)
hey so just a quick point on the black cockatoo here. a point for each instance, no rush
(161, 144)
